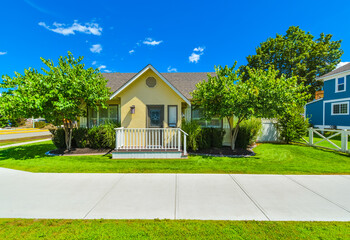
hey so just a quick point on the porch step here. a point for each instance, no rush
(147, 154)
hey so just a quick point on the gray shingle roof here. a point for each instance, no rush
(344, 68)
(184, 82)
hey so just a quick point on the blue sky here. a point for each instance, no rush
(183, 36)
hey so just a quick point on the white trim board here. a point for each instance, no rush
(335, 75)
(314, 101)
(149, 66)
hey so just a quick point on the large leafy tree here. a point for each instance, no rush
(297, 54)
(263, 94)
(60, 94)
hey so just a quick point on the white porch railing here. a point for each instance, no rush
(344, 135)
(150, 139)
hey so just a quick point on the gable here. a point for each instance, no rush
(183, 82)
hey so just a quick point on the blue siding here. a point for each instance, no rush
(338, 120)
(329, 89)
(314, 111)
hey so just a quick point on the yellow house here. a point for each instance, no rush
(150, 102)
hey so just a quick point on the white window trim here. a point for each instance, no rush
(339, 103)
(336, 84)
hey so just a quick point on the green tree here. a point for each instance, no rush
(60, 94)
(264, 95)
(297, 54)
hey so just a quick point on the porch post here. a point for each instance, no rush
(179, 139)
(185, 144)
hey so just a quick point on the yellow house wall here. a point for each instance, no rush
(140, 95)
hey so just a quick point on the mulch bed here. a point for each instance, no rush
(224, 152)
(79, 151)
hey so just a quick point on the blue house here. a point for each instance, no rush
(332, 111)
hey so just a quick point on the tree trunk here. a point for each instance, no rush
(234, 134)
(68, 129)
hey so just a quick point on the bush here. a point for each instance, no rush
(58, 137)
(291, 126)
(102, 136)
(211, 138)
(80, 137)
(40, 124)
(193, 129)
(249, 131)
(3, 122)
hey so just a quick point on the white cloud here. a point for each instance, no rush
(107, 71)
(196, 55)
(102, 67)
(341, 64)
(96, 48)
(3, 53)
(150, 41)
(64, 29)
(198, 49)
(131, 51)
(170, 69)
(94, 63)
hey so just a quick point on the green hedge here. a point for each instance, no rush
(98, 137)
(248, 133)
(202, 138)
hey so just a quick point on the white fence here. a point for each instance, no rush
(344, 135)
(150, 139)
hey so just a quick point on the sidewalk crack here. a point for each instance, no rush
(250, 197)
(104, 196)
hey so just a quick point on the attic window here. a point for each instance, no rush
(151, 82)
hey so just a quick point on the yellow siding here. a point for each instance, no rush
(140, 95)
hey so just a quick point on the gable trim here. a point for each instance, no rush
(149, 66)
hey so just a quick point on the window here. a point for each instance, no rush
(340, 108)
(103, 115)
(197, 114)
(340, 85)
(172, 115)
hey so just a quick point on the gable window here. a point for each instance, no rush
(197, 115)
(340, 85)
(340, 108)
(172, 115)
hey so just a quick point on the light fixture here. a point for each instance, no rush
(132, 109)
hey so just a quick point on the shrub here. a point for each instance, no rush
(58, 137)
(40, 124)
(211, 138)
(291, 126)
(3, 122)
(80, 137)
(249, 131)
(193, 129)
(102, 136)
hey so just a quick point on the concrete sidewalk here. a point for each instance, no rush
(174, 196)
(24, 143)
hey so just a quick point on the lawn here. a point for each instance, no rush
(169, 229)
(269, 159)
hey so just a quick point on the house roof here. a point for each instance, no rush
(184, 82)
(344, 68)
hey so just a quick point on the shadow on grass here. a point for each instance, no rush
(25, 152)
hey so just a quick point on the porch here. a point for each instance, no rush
(150, 143)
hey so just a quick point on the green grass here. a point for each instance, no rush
(170, 229)
(269, 159)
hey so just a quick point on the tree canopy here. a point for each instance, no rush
(60, 94)
(297, 54)
(264, 94)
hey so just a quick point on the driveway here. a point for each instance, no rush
(174, 196)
